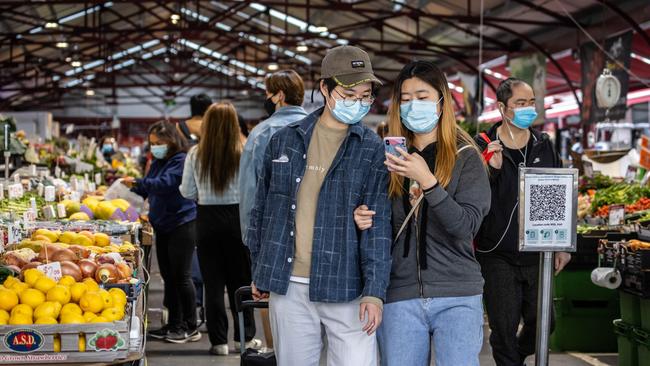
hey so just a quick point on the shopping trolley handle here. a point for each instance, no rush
(241, 304)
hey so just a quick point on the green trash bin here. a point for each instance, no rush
(642, 338)
(630, 308)
(583, 314)
(627, 346)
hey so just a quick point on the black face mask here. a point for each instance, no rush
(269, 106)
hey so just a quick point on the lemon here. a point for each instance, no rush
(32, 275)
(44, 284)
(22, 309)
(99, 319)
(92, 301)
(10, 281)
(32, 297)
(67, 281)
(46, 309)
(57, 344)
(19, 287)
(77, 290)
(57, 306)
(71, 308)
(60, 294)
(89, 316)
(82, 342)
(106, 298)
(112, 314)
(72, 318)
(20, 319)
(4, 321)
(45, 320)
(91, 284)
(118, 295)
(4, 315)
(8, 299)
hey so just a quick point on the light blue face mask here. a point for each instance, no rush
(524, 117)
(349, 114)
(159, 151)
(420, 116)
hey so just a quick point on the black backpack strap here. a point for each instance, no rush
(185, 130)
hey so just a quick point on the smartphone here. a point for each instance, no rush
(391, 143)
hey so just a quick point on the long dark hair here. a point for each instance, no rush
(449, 133)
(220, 147)
(167, 132)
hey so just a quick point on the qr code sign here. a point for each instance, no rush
(547, 202)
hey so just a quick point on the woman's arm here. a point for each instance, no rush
(188, 186)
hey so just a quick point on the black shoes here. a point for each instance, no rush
(181, 336)
(160, 333)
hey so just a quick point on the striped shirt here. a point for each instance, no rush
(194, 188)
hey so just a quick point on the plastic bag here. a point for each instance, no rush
(119, 190)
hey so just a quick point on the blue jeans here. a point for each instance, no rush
(454, 323)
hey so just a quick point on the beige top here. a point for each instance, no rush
(325, 143)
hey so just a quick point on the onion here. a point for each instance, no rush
(30, 265)
(88, 268)
(50, 250)
(70, 269)
(11, 259)
(106, 273)
(63, 255)
(124, 270)
(79, 251)
(105, 259)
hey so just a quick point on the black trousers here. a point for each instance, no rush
(174, 250)
(510, 297)
(225, 263)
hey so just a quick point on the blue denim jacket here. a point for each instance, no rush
(346, 263)
(252, 158)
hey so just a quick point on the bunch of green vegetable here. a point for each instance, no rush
(598, 181)
(21, 205)
(619, 193)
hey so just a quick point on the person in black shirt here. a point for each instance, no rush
(511, 277)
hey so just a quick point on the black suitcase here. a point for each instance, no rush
(250, 357)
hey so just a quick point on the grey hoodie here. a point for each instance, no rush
(438, 260)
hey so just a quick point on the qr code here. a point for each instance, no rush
(547, 202)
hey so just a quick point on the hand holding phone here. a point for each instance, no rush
(391, 143)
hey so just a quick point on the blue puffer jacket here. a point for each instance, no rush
(167, 208)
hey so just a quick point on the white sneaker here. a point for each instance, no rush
(219, 350)
(253, 343)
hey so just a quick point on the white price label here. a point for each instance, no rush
(52, 270)
(57, 171)
(74, 184)
(74, 196)
(2, 191)
(98, 179)
(17, 178)
(92, 187)
(29, 215)
(50, 194)
(616, 215)
(60, 210)
(16, 191)
(41, 189)
(32, 170)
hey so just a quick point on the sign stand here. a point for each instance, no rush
(548, 206)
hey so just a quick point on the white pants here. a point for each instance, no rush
(296, 324)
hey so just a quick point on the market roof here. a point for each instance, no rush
(51, 50)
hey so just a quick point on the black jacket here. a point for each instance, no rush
(492, 236)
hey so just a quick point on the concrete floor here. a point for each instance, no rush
(160, 353)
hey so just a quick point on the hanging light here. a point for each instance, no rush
(75, 63)
(321, 29)
(90, 92)
(273, 67)
(62, 44)
(50, 25)
(175, 18)
(302, 48)
(68, 59)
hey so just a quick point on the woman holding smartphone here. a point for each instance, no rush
(210, 178)
(440, 193)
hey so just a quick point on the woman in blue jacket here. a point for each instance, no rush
(172, 218)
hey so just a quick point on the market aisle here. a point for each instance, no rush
(161, 353)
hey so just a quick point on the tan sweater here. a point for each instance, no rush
(324, 145)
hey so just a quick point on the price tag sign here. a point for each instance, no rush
(548, 203)
(98, 179)
(50, 194)
(41, 189)
(29, 215)
(588, 169)
(52, 270)
(74, 196)
(92, 187)
(74, 184)
(16, 191)
(2, 191)
(57, 171)
(60, 211)
(17, 178)
(616, 215)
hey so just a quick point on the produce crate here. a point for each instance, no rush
(642, 338)
(627, 346)
(132, 291)
(34, 344)
(586, 255)
(583, 314)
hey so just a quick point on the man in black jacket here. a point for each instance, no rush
(511, 277)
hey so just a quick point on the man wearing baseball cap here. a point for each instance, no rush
(320, 272)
